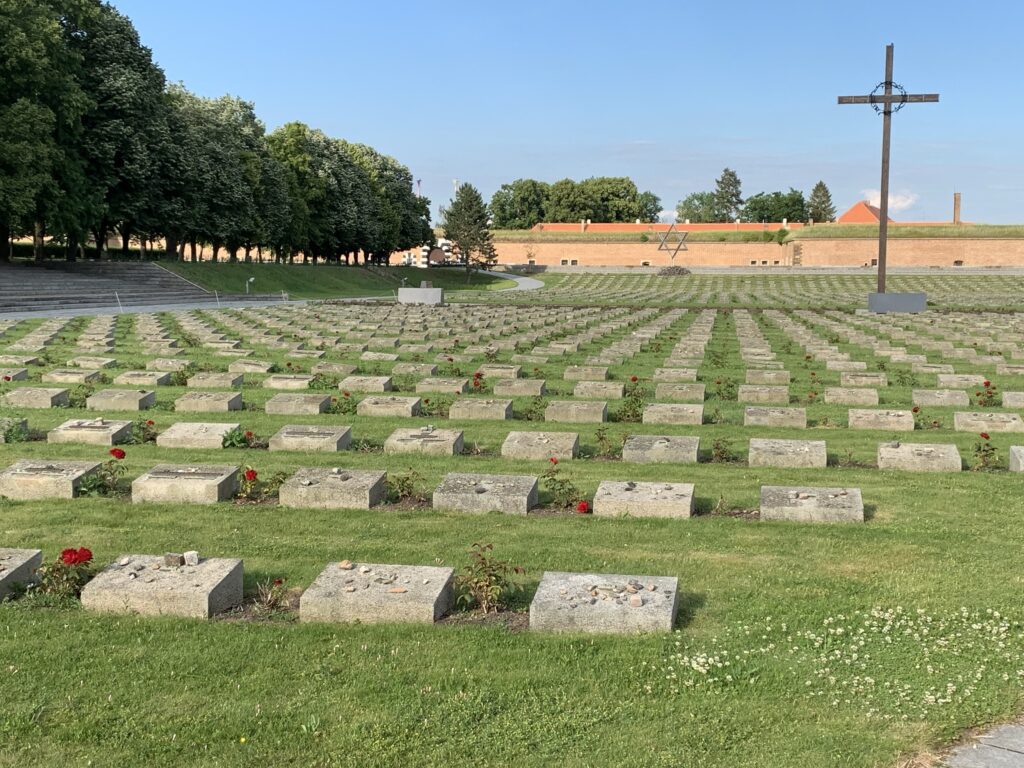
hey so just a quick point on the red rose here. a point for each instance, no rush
(986, 383)
(553, 460)
(7, 378)
(84, 555)
(278, 582)
(426, 401)
(633, 378)
(977, 394)
(984, 435)
(150, 422)
(345, 394)
(288, 364)
(248, 435)
(477, 375)
(813, 373)
(69, 556)
(117, 453)
(582, 508)
(915, 409)
(476, 382)
(251, 475)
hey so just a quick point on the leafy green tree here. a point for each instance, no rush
(519, 205)
(775, 206)
(819, 204)
(567, 201)
(728, 197)
(465, 223)
(698, 208)
(648, 207)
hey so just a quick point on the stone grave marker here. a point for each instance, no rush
(761, 416)
(959, 380)
(288, 404)
(758, 393)
(143, 379)
(807, 504)
(919, 457)
(774, 378)
(335, 488)
(18, 569)
(336, 369)
(902, 421)
(585, 373)
(1017, 458)
(208, 402)
(414, 369)
(863, 379)
(483, 410)
(37, 397)
(168, 364)
(987, 422)
(851, 396)
(388, 406)
(604, 390)
(287, 381)
(673, 413)
(71, 376)
(426, 440)
(614, 499)
(576, 412)
(32, 479)
(940, 397)
(300, 437)
(541, 446)
(92, 362)
(249, 366)
(120, 400)
(660, 449)
(675, 375)
(148, 585)
(190, 434)
(13, 374)
(1013, 399)
(792, 454)
(91, 432)
(442, 385)
(511, 494)
(495, 371)
(215, 380)
(604, 603)
(520, 387)
(686, 393)
(372, 593)
(188, 483)
(366, 384)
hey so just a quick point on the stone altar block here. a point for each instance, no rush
(789, 454)
(604, 603)
(188, 483)
(372, 593)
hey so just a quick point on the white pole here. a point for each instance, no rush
(118, 301)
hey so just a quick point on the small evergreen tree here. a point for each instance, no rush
(465, 224)
(819, 204)
(728, 199)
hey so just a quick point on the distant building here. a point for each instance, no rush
(862, 212)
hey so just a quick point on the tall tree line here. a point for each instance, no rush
(94, 142)
(525, 202)
(725, 203)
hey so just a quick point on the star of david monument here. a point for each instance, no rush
(888, 98)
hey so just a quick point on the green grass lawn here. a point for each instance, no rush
(768, 598)
(325, 282)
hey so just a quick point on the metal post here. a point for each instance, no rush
(118, 301)
(883, 203)
(217, 296)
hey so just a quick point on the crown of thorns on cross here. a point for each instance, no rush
(896, 105)
(673, 246)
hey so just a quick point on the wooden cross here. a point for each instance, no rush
(890, 102)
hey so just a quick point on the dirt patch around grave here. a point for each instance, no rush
(512, 621)
(253, 609)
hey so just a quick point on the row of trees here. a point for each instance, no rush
(726, 203)
(93, 141)
(526, 202)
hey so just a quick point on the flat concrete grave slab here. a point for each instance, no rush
(684, 393)
(673, 413)
(675, 375)
(762, 393)
(919, 457)
(500, 371)
(37, 397)
(13, 374)
(604, 603)
(192, 434)
(147, 585)
(287, 404)
(576, 412)
(614, 499)
(585, 373)
(19, 360)
(18, 568)
(121, 400)
(425, 440)
(520, 387)
(388, 406)
(366, 384)
(442, 385)
(940, 397)
(851, 396)
(335, 488)
(900, 421)
(249, 366)
(30, 479)
(334, 369)
(987, 422)
(168, 364)
(812, 505)
(71, 376)
(1017, 458)
(287, 381)
(91, 432)
(605, 390)
(143, 379)
(215, 380)
(208, 402)
(761, 416)
(414, 369)
(189, 483)
(84, 361)
(794, 454)
(1013, 399)
(541, 446)
(374, 593)
(299, 437)
(863, 379)
(511, 494)
(379, 357)
(960, 380)
(660, 449)
(484, 410)
(775, 378)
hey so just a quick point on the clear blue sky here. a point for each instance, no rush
(668, 93)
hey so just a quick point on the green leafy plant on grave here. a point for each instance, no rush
(271, 597)
(106, 480)
(564, 493)
(905, 378)
(882, 366)
(716, 417)
(13, 431)
(715, 358)
(634, 402)
(64, 578)
(985, 454)
(985, 397)
(143, 431)
(323, 382)
(606, 447)
(180, 378)
(436, 406)
(724, 388)
(344, 404)
(491, 355)
(236, 437)
(722, 452)
(407, 486)
(449, 369)
(534, 411)
(78, 395)
(487, 582)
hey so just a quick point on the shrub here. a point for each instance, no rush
(564, 493)
(13, 431)
(143, 431)
(406, 486)
(985, 454)
(986, 397)
(634, 402)
(65, 576)
(487, 582)
(345, 404)
(105, 480)
(721, 451)
(239, 438)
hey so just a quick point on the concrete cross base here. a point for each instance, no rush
(882, 303)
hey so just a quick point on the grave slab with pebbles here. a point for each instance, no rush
(215, 380)
(919, 457)
(850, 396)
(29, 479)
(901, 421)
(606, 390)
(168, 365)
(143, 379)
(576, 412)
(812, 505)
(151, 586)
(300, 437)
(195, 434)
(37, 397)
(520, 387)
(442, 385)
(426, 440)
(287, 404)
(940, 397)
(375, 593)
(511, 494)
(18, 569)
(366, 384)
(684, 393)
(541, 446)
(636, 499)
(660, 449)
(959, 380)
(482, 410)
(208, 402)
(791, 454)
(604, 603)
(987, 422)
(760, 416)
(121, 400)
(585, 373)
(762, 393)
(674, 413)
(388, 406)
(189, 483)
(286, 381)
(71, 376)
(91, 432)
(334, 488)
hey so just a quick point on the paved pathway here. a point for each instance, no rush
(522, 283)
(999, 748)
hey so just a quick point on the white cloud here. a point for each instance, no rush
(898, 201)
(667, 216)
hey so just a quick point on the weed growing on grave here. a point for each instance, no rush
(606, 447)
(535, 410)
(105, 480)
(78, 395)
(323, 382)
(985, 454)
(716, 417)
(13, 431)
(407, 486)
(722, 452)
(985, 397)
(64, 578)
(564, 493)
(905, 378)
(271, 597)
(725, 389)
(487, 582)
(491, 355)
